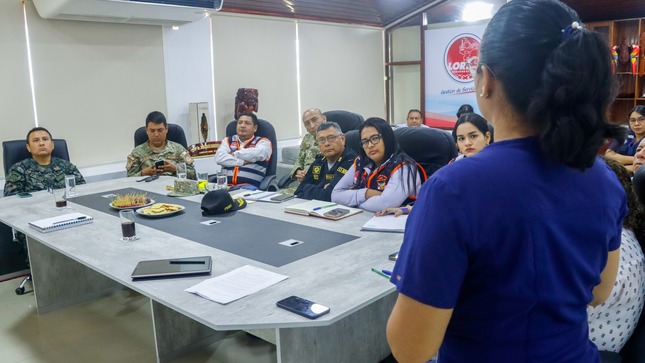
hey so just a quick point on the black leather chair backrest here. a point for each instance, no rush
(353, 141)
(175, 133)
(16, 150)
(634, 349)
(265, 129)
(638, 183)
(345, 119)
(432, 148)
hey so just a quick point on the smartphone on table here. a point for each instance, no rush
(303, 307)
(282, 197)
(336, 212)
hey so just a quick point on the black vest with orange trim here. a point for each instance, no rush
(378, 178)
(252, 173)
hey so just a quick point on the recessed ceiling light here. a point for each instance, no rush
(477, 11)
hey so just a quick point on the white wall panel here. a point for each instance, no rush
(256, 53)
(16, 110)
(342, 68)
(95, 83)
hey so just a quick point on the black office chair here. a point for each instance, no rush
(345, 119)
(175, 133)
(265, 129)
(429, 147)
(13, 152)
(638, 183)
(353, 141)
(634, 349)
(16, 150)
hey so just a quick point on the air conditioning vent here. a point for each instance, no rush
(148, 12)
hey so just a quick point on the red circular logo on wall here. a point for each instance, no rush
(462, 54)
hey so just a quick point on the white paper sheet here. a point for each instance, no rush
(236, 284)
(388, 223)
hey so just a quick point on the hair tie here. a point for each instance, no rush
(566, 32)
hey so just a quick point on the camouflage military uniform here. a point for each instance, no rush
(307, 154)
(144, 156)
(29, 176)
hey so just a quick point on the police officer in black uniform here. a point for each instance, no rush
(330, 165)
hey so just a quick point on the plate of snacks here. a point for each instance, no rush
(160, 210)
(131, 201)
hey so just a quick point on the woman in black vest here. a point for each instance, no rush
(382, 175)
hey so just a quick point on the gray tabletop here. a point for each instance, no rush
(339, 277)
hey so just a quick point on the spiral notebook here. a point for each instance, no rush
(61, 222)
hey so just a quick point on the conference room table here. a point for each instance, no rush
(88, 261)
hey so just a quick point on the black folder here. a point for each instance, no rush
(173, 267)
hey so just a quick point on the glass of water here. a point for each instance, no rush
(181, 171)
(221, 180)
(70, 186)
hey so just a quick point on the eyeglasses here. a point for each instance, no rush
(329, 139)
(475, 67)
(640, 120)
(374, 139)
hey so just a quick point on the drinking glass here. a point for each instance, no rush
(70, 186)
(127, 225)
(202, 180)
(221, 180)
(59, 198)
(181, 171)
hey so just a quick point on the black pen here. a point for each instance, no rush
(70, 220)
(187, 262)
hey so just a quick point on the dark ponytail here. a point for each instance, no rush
(558, 77)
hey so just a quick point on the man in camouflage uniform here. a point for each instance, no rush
(141, 160)
(42, 170)
(312, 118)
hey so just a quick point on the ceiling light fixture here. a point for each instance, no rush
(477, 11)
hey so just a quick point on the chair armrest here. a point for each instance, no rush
(285, 181)
(269, 183)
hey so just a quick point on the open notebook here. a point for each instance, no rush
(61, 222)
(322, 209)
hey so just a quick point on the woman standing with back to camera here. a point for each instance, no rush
(503, 270)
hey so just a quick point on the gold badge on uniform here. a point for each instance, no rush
(317, 169)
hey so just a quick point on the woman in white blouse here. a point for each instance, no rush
(613, 322)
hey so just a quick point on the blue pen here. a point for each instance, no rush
(326, 206)
(387, 272)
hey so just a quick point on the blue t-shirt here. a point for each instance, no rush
(630, 145)
(514, 243)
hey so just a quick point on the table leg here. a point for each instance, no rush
(357, 338)
(60, 281)
(176, 334)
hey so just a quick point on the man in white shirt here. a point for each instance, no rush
(244, 156)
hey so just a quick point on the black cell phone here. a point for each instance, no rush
(393, 256)
(303, 307)
(336, 212)
(281, 197)
(159, 164)
(149, 178)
